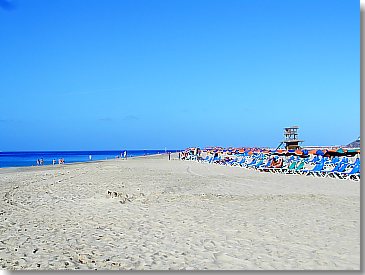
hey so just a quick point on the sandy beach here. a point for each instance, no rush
(175, 215)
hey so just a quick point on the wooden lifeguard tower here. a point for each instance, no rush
(291, 140)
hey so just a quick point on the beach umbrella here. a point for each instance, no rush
(338, 152)
(352, 152)
(331, 153)
(298, 152)
(279, 152)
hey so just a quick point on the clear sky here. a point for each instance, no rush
(146, 74)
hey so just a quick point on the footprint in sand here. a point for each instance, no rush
(226, 261)
(209, 245)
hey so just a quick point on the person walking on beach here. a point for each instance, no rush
(125, 154)
(169, 155)
(53, 162)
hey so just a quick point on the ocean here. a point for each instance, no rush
(19, 159)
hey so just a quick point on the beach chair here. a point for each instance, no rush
(266, 166)
(211, 159)
(205, 159)
(330, 170)
(317, 168)
(217, 159)
(234, 162)
(274, 169)
(326, 159)
(314, 160)
(257, 165)
(357, 162)
(277, 170)
(248, 162)
(345, 160)
(191, 157)
(240, 163)
(230, 162)
(299, 168)
(253, 162)
(342, 167)
(335, 160)
(292, 158)
(354, 173)
(290, 166)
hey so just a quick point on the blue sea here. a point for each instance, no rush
(19, 159)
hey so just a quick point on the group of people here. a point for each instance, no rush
(122, 155)
(60, 161)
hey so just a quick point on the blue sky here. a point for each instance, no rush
(145, 74)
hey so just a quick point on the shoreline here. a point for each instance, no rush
(48, 166)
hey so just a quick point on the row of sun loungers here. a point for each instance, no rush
(318, 166)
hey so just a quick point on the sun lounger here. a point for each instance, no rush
(329, 170)
(217, 159)
(253, 162)
(354, 173)
(230, 162)
(257, 165)
(205, 159)
(241, 162)
(317, 168)
(338, 169)
(291, 166)
(267, 165)
(298, 169)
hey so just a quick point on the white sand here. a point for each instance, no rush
(183, 215)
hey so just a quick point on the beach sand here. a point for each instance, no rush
(178, 215)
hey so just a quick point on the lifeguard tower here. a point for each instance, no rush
(291, 140)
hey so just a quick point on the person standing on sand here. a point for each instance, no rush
(125, 154)
(169, 155)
